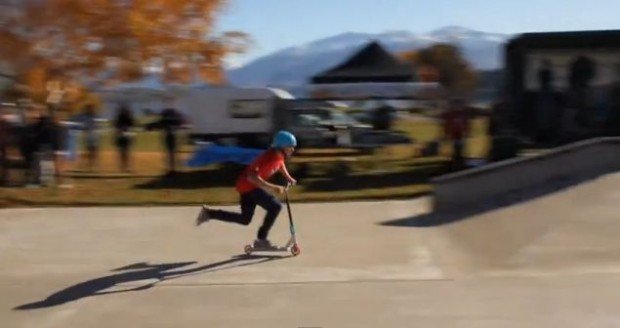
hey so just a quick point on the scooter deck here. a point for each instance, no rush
(269, 249)
(292, 248)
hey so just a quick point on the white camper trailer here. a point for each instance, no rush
(250, 116)
(239, 115)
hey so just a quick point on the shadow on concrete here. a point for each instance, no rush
(417, 175)
(138, 272)
(508, 199)
(224, 176)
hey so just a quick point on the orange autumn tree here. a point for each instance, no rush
(71, 40)
(445, 64)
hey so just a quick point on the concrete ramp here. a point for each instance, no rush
(552, 261)
(520, 179)
(573, 231)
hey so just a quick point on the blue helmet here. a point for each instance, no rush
(284, 139)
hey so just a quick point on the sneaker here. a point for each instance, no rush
(263, 243)
(203, 216)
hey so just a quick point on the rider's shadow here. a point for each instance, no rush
(139, 272)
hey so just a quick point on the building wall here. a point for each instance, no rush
(586, 109)
(607, 65)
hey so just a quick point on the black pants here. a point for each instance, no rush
(458, 159)
(124, 155)
(248, 202)
(123, 144)
(33, 168)
(171, 159)
(170, 143)
(4, 165)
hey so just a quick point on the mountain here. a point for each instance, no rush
(293, 66)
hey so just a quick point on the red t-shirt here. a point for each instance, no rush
(265, 165)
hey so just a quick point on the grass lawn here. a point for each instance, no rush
(215, 184)
(324, 175)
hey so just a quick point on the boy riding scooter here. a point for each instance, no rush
(254, 189)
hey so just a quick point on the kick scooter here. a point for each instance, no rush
(291, 246)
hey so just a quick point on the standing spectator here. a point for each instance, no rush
(382, 117)
(123, 124)
(503, 144)
(29, 144)
(4, 144)
(47, 145)
(613, 119)
(582, 72)
(91, 136)
(170, 122)
(456, 129)
(546, 105)
(61, 147)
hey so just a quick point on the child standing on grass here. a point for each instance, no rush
(254, 188)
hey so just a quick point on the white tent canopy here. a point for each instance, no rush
(366, 90)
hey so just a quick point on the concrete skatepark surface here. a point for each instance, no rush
(554, 260)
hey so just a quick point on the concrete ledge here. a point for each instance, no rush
(480, 186)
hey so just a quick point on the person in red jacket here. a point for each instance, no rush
(254, 189)
(456, 130)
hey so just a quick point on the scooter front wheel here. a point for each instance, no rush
(248, 249)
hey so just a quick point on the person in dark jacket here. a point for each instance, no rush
(170, 122)
(4, 145)
(123, 123)
(89, 126)
(29, 144)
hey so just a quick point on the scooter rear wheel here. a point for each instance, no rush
(295, 250)
(248, 249)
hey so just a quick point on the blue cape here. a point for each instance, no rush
(210, 154)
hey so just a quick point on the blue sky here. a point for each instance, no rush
(277, 24)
